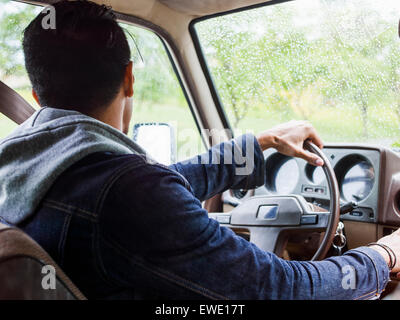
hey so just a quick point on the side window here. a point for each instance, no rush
(14, 18)
(158, 94)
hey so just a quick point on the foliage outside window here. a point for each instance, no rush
(335, 63)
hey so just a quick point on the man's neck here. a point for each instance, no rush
(111, 115)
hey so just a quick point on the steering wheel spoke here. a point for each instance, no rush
(274, 239)
(269, 219)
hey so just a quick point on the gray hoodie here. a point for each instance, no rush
(40, 149)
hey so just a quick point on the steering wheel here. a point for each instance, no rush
(270, 219)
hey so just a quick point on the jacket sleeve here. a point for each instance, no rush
(238, 163)
(156, 236)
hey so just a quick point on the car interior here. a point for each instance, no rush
(237, 65)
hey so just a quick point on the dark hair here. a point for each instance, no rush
(81, 63)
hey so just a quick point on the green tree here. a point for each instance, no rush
(12, 25)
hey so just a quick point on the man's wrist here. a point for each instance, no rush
(382, 252)
(267, 140)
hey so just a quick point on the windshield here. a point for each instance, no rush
(335, 63)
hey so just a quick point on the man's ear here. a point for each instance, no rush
(129, 80)
(35, 97)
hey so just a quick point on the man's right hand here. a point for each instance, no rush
(288, 139)
(393, 242)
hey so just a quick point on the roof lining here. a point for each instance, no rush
(194, 8)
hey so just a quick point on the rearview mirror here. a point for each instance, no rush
(157, 139)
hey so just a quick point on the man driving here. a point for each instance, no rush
(125, 227)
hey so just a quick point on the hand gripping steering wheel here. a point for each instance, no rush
(270, 219)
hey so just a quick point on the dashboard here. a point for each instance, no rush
(368, 176)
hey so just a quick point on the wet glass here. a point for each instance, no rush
(335, 63)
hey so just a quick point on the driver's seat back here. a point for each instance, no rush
(25, 270)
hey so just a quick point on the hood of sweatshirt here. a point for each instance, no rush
(34, 155)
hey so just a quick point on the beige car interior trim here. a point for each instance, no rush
(359, 234)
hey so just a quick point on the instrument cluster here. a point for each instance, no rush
(357, 172)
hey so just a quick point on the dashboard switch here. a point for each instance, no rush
(356, 213)
(224, 219)
(308, 219)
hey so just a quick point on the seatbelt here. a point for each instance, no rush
(13, 106)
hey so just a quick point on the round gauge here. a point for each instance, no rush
(287, 177)
(318, 175)
(282, 174)
(356, 177)
(358, 181)
(315, 174)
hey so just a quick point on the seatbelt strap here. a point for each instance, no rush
(13, 105)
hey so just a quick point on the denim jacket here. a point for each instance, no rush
(124, 228)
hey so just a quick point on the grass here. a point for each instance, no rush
(340, 124)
